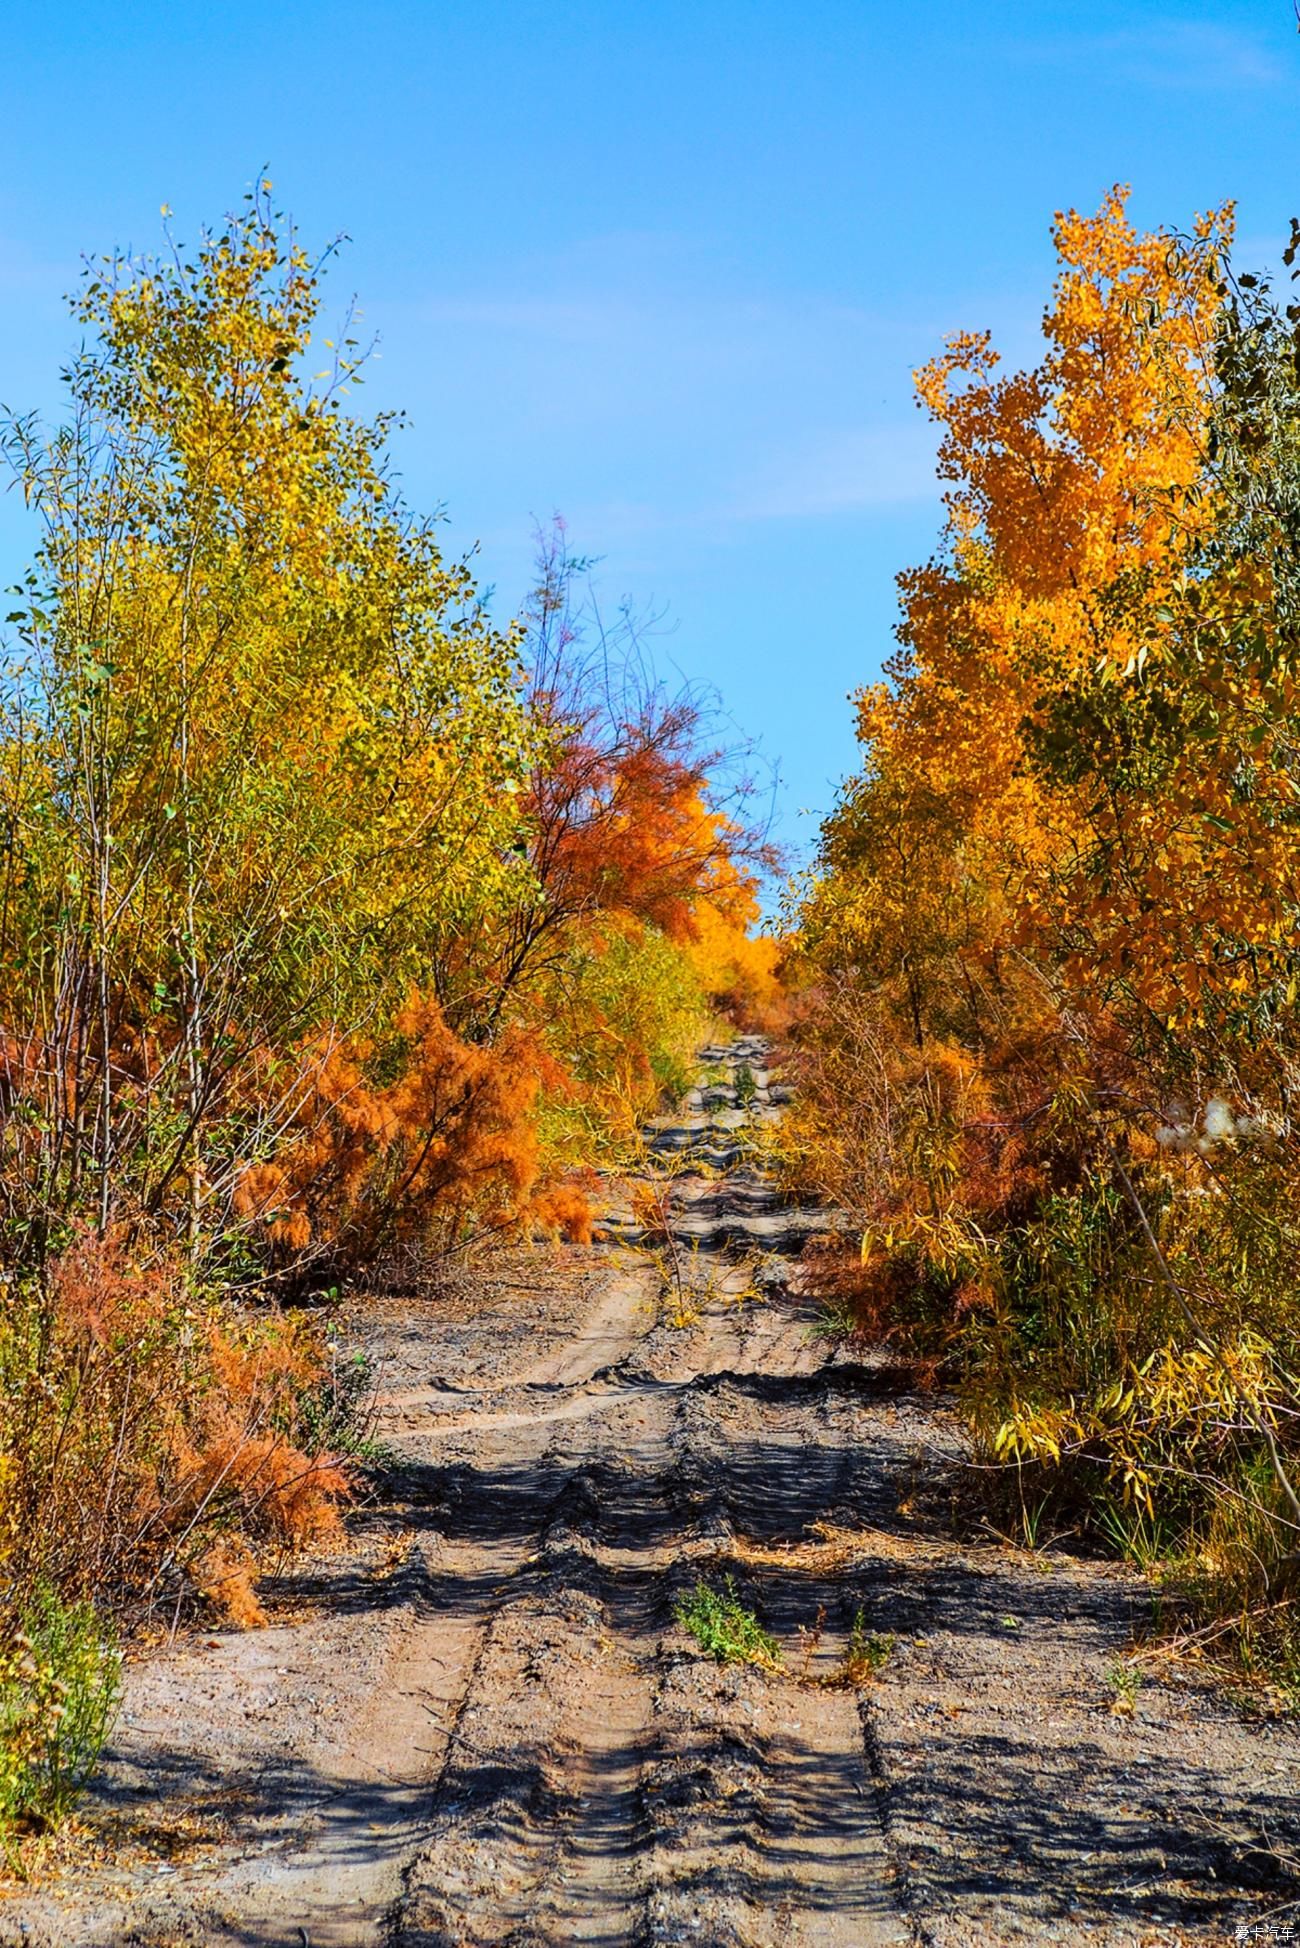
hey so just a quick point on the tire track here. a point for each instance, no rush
(607, 1784)
(511, 1740)
(482, 1724)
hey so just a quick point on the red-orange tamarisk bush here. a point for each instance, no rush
(148, 1425)
(447, 1138)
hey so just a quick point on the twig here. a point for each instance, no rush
(458, 1738)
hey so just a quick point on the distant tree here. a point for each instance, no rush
(636, 805)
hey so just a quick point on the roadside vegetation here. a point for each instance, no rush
(1051, 1035)
(724, 1628)
(336, 922)
(343, 928)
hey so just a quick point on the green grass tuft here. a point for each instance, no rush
(868, 1653)
(725, 1629)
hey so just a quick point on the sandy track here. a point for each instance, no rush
(483, 1726)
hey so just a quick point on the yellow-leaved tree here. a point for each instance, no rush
(1053, 1042)
(262, 749)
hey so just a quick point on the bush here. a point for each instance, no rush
(625, 1016)
(416, 1137)
(724, 1628)
(141, 1422)
(60, 1684)
(1117, 1306)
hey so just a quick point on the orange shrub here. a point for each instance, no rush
(565, 1211)
(414, 1138)
(145, 1427)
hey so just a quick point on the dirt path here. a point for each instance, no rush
(483, 1725)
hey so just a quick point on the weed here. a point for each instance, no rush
(336, 1414)
(835, 1320)
(1031, 1519)
(1124, 1681)
(60, 1683)
(867, 1654)
(724, 1628)
(745, 1085)
(1137, 1534)
(810, 1640)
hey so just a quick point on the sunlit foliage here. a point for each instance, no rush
(1052, 929)
(262, 751)
(339, 926)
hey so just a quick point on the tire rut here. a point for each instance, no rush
(509, 1741)
(605, 1784)
(482, 1725)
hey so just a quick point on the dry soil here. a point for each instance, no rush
(481, 1722)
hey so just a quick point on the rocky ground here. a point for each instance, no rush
(481, 1722)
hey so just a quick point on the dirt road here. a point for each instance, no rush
(483, 1724)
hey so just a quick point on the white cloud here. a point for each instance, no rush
(846, 469)
(658, 403)
(657, 399)
(1171, 53)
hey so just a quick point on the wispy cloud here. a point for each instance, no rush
(664, 401)
(1176, 54)
(843, 471)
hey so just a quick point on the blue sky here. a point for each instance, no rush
(666, 269)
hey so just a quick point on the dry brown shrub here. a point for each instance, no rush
(147, 1427)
